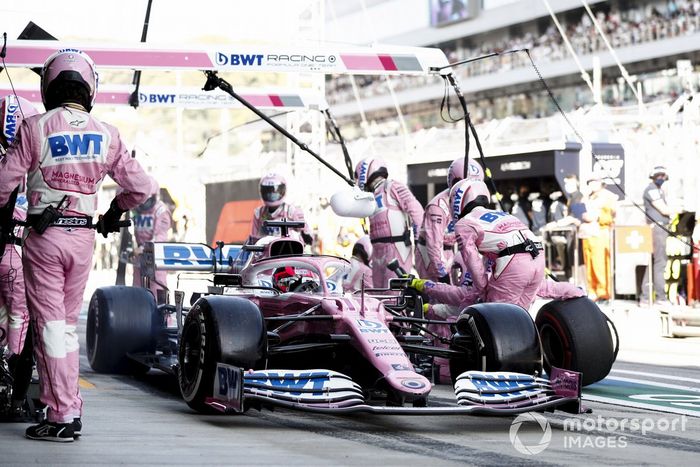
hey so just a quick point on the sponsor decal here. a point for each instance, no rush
(156, 98)
(456, 203)
(401, 367)
(386, 347)
(10, 118)
(75, 144)
(70, 178)
(390, 354)
(238, 59)
(71, 221)
(190, 255)
(294, 383)
(369, 327)
(143, 222)
(362, 176)
(413, 383)
(492, 216)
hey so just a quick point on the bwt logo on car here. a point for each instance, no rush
(188, 255)
(155, 98)
(294, 384)
(75, 144)
(239, 59)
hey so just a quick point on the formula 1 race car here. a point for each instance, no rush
(271, 306)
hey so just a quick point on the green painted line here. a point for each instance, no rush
(663, 397)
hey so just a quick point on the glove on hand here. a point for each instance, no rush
(108, 222)
(418, 284)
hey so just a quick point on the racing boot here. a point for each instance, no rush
(77, 427)
(50, 431)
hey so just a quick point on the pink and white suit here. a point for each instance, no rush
(65, 152)
(435, 244)
(151, 225)
(14, 316)
(397, 212)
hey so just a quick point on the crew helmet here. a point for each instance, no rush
(12, 110)
(464, 193)
(367, 171)
(456, 171)
(363, 249)
(68, 65)
(273, 188)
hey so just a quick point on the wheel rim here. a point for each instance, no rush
(191, 355)
(553, 346)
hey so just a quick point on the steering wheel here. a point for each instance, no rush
(308, 286)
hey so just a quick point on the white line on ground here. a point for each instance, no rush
(657, 375)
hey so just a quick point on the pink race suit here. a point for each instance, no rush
(65, 152)
(434, 248)
(14, 316)
(398, 211)
(151, 225)
(360, 274)
(284, 211)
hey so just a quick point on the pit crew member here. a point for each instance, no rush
(152, 220)
(397, 213)
(360, 270)
(14, 316)
(66, 153)
(273, 192)
(435, 244)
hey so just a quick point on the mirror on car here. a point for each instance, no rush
(353, 202)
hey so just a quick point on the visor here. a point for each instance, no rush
(272, 193)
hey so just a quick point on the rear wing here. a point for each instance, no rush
(198, 257)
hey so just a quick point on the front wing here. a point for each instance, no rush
(330, 392)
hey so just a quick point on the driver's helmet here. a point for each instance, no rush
(273, 188)
(12, 110)
(68, 65)
(456, 171)
(287, 278)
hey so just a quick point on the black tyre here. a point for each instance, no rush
(496, 337)
(217, 329)
(576, 336)
(120, 321)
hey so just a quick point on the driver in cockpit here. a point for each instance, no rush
(290, 279)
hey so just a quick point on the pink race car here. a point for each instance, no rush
(276, 329)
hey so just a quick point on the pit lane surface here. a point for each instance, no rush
(143, 421)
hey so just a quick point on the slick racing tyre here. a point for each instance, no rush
(495, 337)
(218, 329)
(120, 321)
(576, 336)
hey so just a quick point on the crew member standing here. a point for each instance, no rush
(14, 316)
(435, 244)
(152, 220)
(66, 153)
(273, 192)
(397, 213)
(659, 216)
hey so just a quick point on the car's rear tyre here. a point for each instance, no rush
(217, 329)
(576, 336)
(120, 321)
(496, 337)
